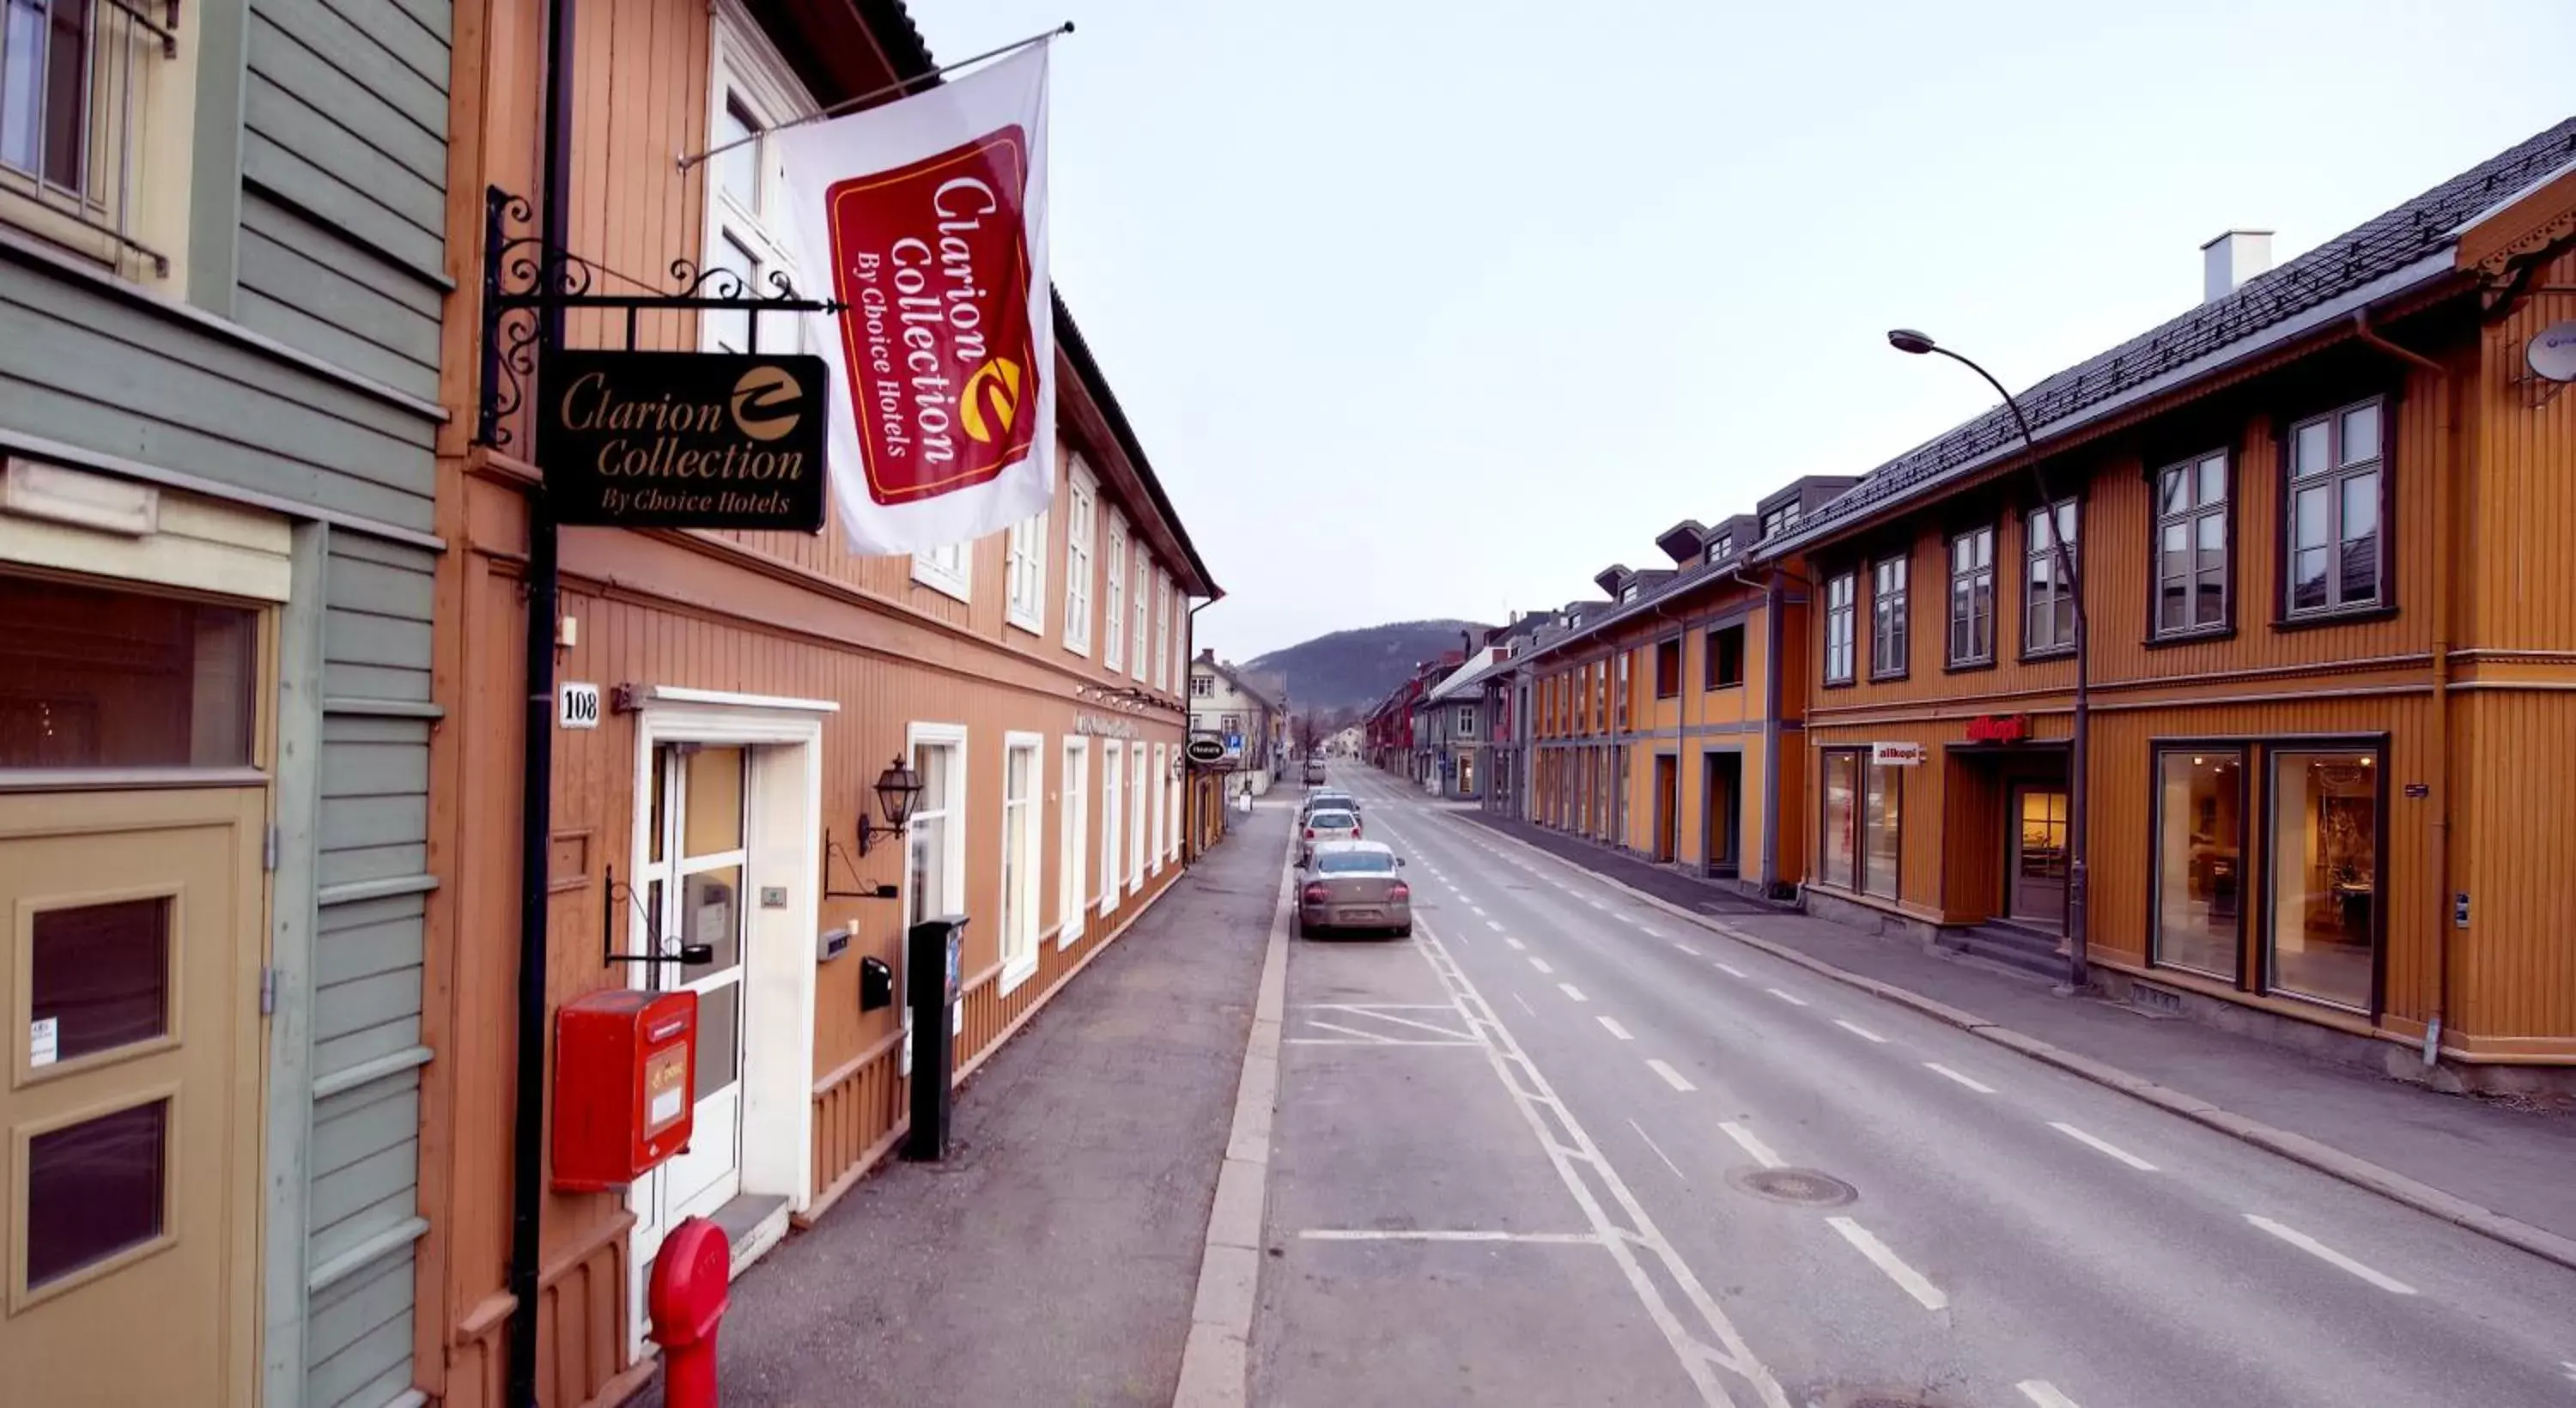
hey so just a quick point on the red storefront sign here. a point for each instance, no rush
(1999, 728)
(933, 260)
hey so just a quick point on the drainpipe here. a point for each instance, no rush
(2447, 417)
(536, 779)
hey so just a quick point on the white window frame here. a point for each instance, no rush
(1018, 910)
(1081, 557)
(1172, 800)
(1113, 818)
(1073, 853)
(948, 570)
(1024, 564)
(1162, 810)
(1139, 610)
(1113, 600)
(952, 879)
(1841, 626)
(1162, 630)
(1466, 721)
(747, 67)
(1136, 817)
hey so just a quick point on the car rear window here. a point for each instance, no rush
(1332, 818)
(1356, 863)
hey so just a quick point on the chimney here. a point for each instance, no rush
(2229, 260)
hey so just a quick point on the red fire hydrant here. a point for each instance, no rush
(686, 1300)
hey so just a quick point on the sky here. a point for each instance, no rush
(1436, 309)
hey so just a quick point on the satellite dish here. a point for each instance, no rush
(2552, 352)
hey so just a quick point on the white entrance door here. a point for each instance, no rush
(690, 891)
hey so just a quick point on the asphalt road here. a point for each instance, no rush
(1563, 1148)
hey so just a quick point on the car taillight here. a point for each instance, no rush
(1355, 831)
(1399, 891)
(1317, 894)
(1310, 833)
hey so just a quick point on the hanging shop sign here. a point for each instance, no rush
(1898, 755)
(1206, 748)
(682, 439)
(1999, 728)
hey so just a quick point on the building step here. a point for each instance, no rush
(2023, 949)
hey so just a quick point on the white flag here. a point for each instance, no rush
(928, 218)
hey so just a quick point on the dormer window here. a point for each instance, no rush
(1780, 520)
(1720, 549)
(1631, 592)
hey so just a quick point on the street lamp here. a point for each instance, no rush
(2077, 927)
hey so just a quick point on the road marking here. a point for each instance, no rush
(1906, 1277)
(1658, 1148)
(1704, 1350)
(2330, 1256)
(2044, 1394)
(1371, 1041)
(1570, 990)
(1494, 924)
(1350, 1031)
(1730, 968)
(1393, 1234)
(1524, 1002)
(1671, 1077)
(1611, 1024)
(1686, 948)
(1596, 904)
(1541, 965)
(1476, 910)
(1752, 1145)
(1517, 945)
(2102, 1146)
(1978, 1086)
(1790, 998)
(1860, 1031)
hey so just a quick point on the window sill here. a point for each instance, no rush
(954, 588)
(1078, 647)
(1891, 677)
(1967, 667)
(2347, 616)
(2162, 639)
(1845, 682)
(2042, 657)
(1030, 622)
(1015, 974)
(1070, 934)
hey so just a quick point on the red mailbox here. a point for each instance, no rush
(626, 1070)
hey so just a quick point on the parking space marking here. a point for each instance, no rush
(1860, 1031)
(2102, 1146)
(1971, 1082)
(1906, 1277)
(1672, 1077)
(1611, 1025)
(2330, 1256)
(1572, 992)
(1751, 1144)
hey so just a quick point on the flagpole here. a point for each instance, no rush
(897, 86)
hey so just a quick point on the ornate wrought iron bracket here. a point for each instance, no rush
(649, 922)
(525, 278)
(832, 850)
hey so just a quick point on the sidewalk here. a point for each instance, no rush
(2508, 1157)
(1053, 1258)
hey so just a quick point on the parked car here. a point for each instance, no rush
(1323, 798)
(1325, 825)
(1354, 885)
(1314, 771)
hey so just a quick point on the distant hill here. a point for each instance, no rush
(1354, 669)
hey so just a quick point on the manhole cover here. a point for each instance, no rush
(1812, 1189)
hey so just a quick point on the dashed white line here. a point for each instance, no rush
(2102, 1146)
(2044, 1394)
(1659, 1151)
(1860, 1031)
(1972, 1083)
(1790, 998)
(1596, 904)
(1686, 948)
(1517, 945)
(1611, 1024)
(2330, 1256)
(1751, 1144)
(1541, 965)
(1476, 910)
(1572, 992)
(1906, 1277)
(1671, 1077)
(1730, 968)
(1494, 924)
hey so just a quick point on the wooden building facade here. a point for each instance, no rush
(757, 685)
(2315, 523)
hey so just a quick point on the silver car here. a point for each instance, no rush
(1354, 885)
(1327, 798)
(1324, 825)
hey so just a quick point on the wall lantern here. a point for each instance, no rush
(898, 788)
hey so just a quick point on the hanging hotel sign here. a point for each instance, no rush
(1999, 728)
(1898, 755)
(682, 439)
(1206, 749)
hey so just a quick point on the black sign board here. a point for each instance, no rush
(682, 439)
(1204, 749)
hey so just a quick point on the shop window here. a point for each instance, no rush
(94, 678)
(2191, 546)
(1842, 819)
(1668, 668)
(2200, 856)
(1725, 658)
(2324, 845)
(1882, 817)
(1863, 823)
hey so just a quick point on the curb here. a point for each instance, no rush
(2298, 1148)
(1216, 1362)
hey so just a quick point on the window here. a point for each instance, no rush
(80, 82)
(1073, 816)
(1202, 686)
(1779, 520)
(129, 680)
(1863, 822)
(2200, 850)
(746, 235)
(2048, 594)
(1136, 809)
(1840, 620)
(1631, 592)
(1841, 849)
(1081, 510)
(1888, 626)
(1723, 665)
(2191, 546)
(44, 91)
(1113, 617)
(2336, 550)
(947, 570)
(1230, 723)
(934, 881)
(1021, 785)
(2322, 941)
(1719, 550)
(1882, 815)
(1113, 778)
(1162, 629)
(1972, 598)
(1024, 557)
(1162, 808)
(1137, 660)
(1668, 668)
(1466, 721)
(1620, 688)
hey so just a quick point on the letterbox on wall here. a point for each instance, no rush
(626, 1070)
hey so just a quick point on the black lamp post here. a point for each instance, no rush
(2077, 927)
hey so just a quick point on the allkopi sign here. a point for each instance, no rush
(683, 439)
